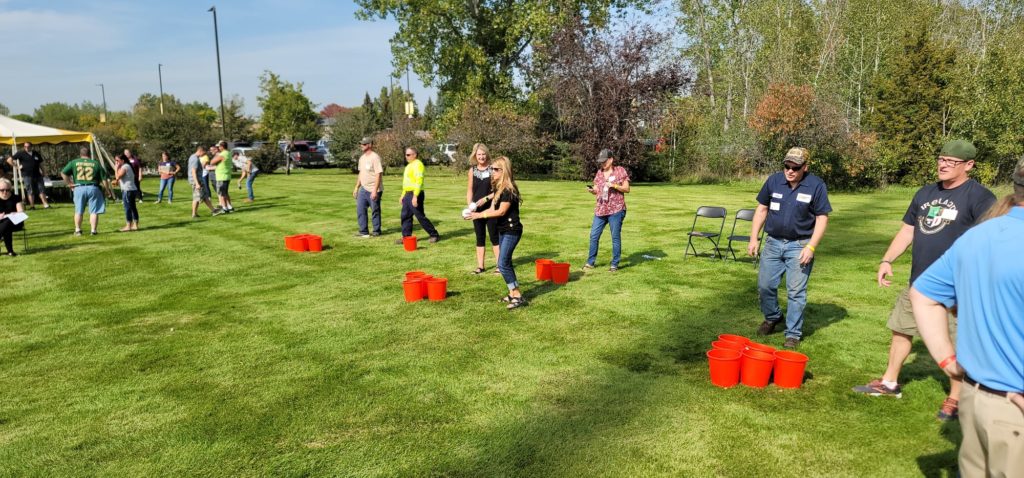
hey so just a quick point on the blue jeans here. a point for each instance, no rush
(166, 183)
(506, 246)
(248, 183)
(782, 256)
(363, 201)
(131, 210)
(597, 228)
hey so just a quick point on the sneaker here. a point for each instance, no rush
(434, 239)
(587, 267)
(217, 212)
(876, 388)
(375, 234)
(613, 268)
(156, 202)
(791, 343)
(93, 233)
(767, 327)
(170, 202)
(47, 206)
(78, 233)
(949, 410)
(361, 235)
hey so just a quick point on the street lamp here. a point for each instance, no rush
(159, 71)
(103, 117)
(220, 82)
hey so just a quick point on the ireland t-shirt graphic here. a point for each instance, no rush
(938, 216)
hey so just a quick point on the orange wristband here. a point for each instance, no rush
(947, 361)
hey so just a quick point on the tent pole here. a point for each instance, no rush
(19, 182)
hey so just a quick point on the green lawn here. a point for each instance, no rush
(205, 348)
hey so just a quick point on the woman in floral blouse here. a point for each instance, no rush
(611, 183)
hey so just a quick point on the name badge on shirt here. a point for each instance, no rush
(611, 179)
(803, 197)
(774, 206)
(485, 175)
(949, 214)
(777, 195)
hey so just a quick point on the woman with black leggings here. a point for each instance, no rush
(9, 203)
(478, 196)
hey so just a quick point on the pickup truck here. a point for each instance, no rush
(304, 154)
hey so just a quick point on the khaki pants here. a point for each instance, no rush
(993, 430)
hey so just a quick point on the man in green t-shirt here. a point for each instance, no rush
(222, 173)
(86, 176)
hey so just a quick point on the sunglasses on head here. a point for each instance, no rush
(792, 168)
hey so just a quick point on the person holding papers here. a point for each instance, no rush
(12, 214)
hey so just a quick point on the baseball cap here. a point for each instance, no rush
(366, 140)
(797, 156)
(959, 149)
(604, 155)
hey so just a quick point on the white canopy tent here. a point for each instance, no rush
(14, 133)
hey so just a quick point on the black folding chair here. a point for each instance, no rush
(743, 215)
(709, 213)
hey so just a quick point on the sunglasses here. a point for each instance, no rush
(496, 169)
(792, 168)
(5, 190)
(408, 154)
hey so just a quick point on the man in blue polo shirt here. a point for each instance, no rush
(982, 274)
(793, 207)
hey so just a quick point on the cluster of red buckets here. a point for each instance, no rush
(419, 285)
(734, 359)
(557, 272)
(304, 243)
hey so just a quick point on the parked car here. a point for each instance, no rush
(302, 154)
(240, 156)
(324, 145)
(446, 153)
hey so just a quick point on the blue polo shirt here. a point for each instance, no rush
(983, 275)
(792, 211)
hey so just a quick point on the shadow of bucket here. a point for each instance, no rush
(437, 289)
(409, 243)
(734, 338)
(413, 289)
(726, 345)
(724, 366)
(756, 368)
(544, 269)
(789, 368)
(296, 243)
(560, 273)
(314, 243)
(768, 349)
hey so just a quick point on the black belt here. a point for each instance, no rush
(970, 381)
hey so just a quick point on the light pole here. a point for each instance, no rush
(103, 117)
(220, 83)
(408, 94)
(160, 73)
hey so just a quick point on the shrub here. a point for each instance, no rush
(267, 158)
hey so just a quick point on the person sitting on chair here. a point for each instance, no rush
(9, 203)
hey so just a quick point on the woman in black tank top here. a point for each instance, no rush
(478, 197)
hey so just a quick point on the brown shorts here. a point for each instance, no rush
(902, 317)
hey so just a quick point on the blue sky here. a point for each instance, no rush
(60, 50)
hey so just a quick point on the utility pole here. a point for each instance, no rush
(160, 72)
(103, 117)
(220, 82)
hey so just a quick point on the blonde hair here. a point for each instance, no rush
(472, 154)
(1003, 206)
(6, 182)
(506, 182)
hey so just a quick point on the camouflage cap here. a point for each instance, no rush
(797, 156)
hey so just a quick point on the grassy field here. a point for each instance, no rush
(205, 348)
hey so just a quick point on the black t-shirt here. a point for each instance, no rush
(10, 204)
(940, 216)
(509, 223)
(31, 163)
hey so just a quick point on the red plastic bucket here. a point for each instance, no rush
(560, 272)
(761, 347)
(409, 243)
(296, 243)
(423, 282)
(544, 269)
(756, 368)
(734, 338)
(413, 290)
(437, 289)
(315, 243)
(789, 368)
(725, 367)
(726, 345)
(414, 274)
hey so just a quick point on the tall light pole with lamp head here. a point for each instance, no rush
(220, 83)
(103, 118)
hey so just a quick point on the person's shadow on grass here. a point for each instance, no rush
(943, 464)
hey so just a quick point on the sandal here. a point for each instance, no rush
(507, 299)
(496, 271)
(516, 302)
(478, 271)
